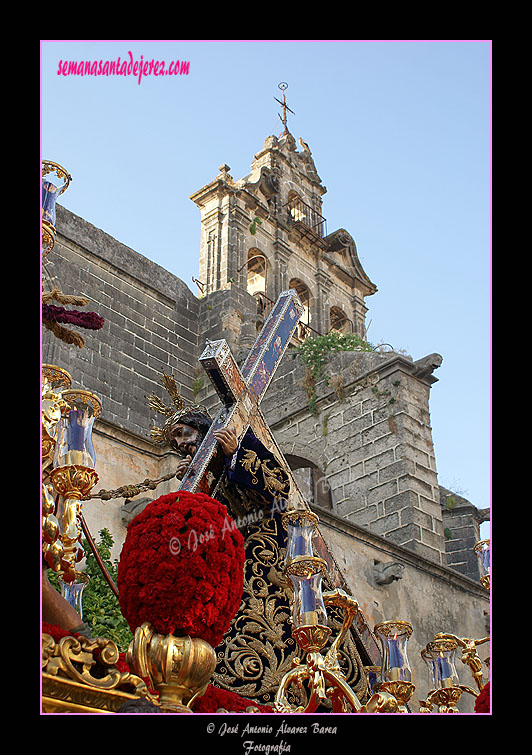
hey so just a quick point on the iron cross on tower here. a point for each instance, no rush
(282, 86)
(241, 392)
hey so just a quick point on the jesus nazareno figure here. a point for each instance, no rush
(258, 649)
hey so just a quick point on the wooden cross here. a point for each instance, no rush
(241, 392)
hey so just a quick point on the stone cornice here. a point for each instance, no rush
(132, 440)
(385, 368)
(398, 552)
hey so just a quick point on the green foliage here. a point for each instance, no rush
(198, 383)
(253, 226)
(448, 534)
(314, 353)
(450, 502)
(101, 610)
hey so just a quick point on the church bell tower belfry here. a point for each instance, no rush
(266, 233)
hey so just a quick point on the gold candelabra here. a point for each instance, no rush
(320, 680)
(54, 379)
(73, 475)
(50, 194)
(439, 655)
(396, 674)
(322, 673)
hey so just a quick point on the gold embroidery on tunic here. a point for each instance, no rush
(251, 463)
(274, 480)
(259, 649)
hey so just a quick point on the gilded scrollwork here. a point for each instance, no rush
(48, 166)
(90, 662)
(259, 649)
(256, 652)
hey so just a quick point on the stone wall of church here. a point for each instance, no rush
(461, 522)
(151, 325)
(370, 438)
(392, 582)
(151, 322)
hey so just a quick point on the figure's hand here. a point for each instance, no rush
(227, 440)
(182, 467)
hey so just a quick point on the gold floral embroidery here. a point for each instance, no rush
(275, 481)
(259, 649)
(251, 463)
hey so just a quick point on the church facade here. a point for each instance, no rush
(362, 453)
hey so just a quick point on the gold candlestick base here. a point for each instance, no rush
(446, 699)
(74, 480)
(179, 668)
(402, 691)
(382, 702)
(311, 638)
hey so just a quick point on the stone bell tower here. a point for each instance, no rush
(266, 233)
(366, 450)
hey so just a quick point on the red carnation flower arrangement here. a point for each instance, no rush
(182, 567)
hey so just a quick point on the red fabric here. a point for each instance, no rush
(182, 567)
(482, 702)
(215, 698)
(57, 632)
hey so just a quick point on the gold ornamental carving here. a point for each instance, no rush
(394, 626)
(70, 679)
(49, 166)
(74, 481)
(311, 638)
(446, 699)
(179, 668)
(402, 692)
(301, 566)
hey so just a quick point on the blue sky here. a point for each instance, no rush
(400, 132)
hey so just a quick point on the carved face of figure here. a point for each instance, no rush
(185, 439)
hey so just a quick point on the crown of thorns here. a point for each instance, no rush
(173, 413)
